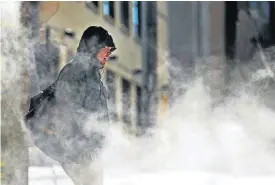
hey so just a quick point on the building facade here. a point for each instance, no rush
(207, 38)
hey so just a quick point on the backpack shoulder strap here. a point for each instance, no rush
(38, 99)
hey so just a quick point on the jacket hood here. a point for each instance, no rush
(93, 39)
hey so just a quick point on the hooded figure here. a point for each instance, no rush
(64, 118)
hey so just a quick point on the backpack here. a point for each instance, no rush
(36, 102)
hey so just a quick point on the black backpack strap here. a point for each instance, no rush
(36, 101)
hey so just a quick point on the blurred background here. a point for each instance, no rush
(161, 47)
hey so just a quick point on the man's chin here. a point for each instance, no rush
(102, 65)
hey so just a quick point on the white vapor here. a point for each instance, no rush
(230, 144)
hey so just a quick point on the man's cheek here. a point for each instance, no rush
(103, 62)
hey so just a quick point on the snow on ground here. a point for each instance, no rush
(56, 176)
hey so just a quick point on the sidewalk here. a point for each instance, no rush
(48, 176)
(56, 176)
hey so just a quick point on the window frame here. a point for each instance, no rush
(261, 8)
(126, 101)
(107, 11)
(136, 19)
(92, 6)
(125, 28)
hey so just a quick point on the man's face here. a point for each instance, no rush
(103, 55)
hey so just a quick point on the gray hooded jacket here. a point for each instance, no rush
(80, 100)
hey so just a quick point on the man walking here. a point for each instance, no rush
(59, 122)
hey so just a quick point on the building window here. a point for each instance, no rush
(125, 13)
(259, 9)
(231, 17)
(265, 9)
(272, 21)
(112, 9)
(138, 105)
(95, 3)
(110, 80)
(136, 18)
(139, 18)
(109, 9)
(126, 101)
(152, 33)
(92, 5)
(263, 14)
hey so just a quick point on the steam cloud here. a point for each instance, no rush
(235, 139)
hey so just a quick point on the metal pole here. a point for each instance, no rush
(34, 18)
(33, 11)
(152, 58)
(145, 77)
(205, 28)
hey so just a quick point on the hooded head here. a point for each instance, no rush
(96, 43)
(94, 39)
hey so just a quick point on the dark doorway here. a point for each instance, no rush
(231, 16)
